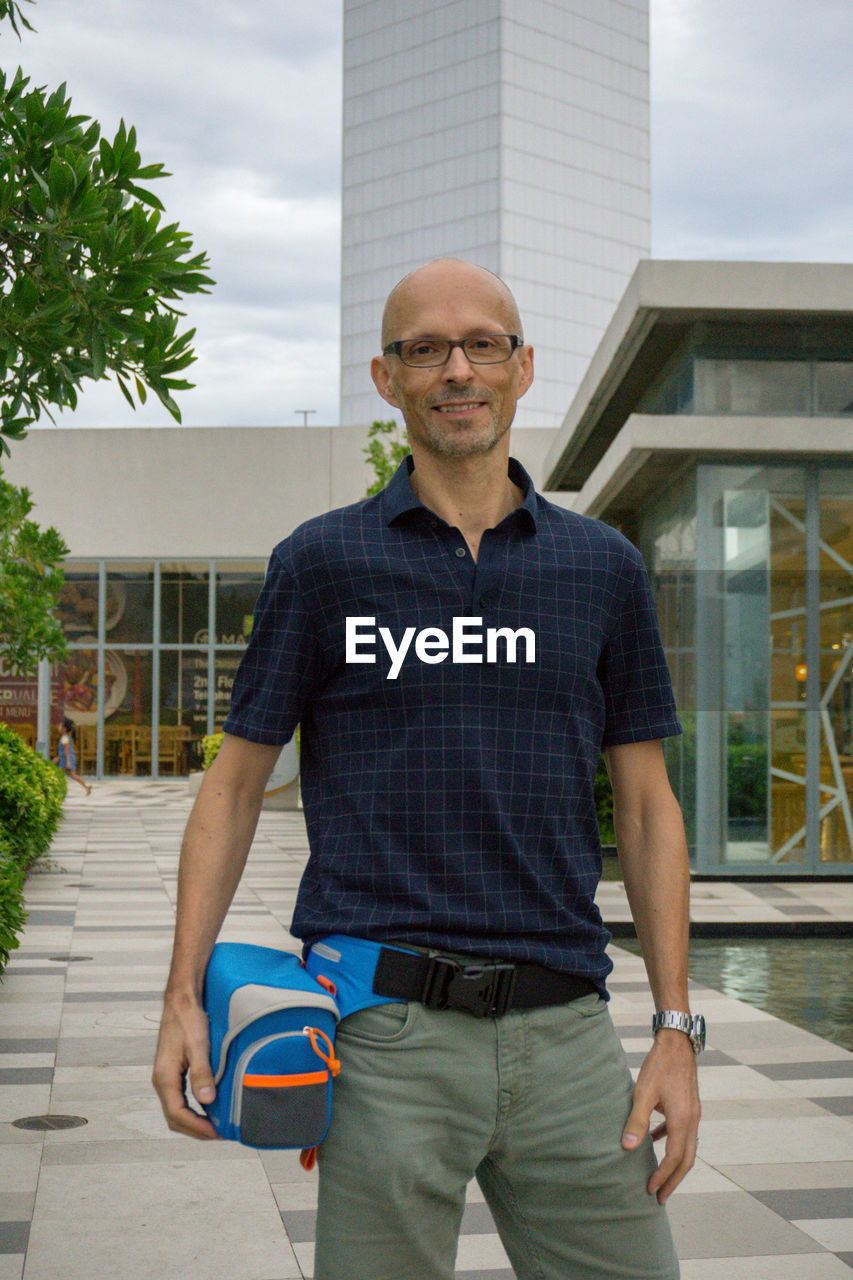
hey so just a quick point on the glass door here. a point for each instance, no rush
(774, 641)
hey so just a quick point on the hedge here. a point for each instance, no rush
(31, 794)
(210, 748)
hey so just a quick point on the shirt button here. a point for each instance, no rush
(460, 551)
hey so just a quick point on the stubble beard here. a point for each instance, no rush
(465, 442)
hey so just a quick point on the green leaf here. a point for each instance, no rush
(99, 355)
(107, 160)
(124, 391)
(147, 197)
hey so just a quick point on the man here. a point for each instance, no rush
(458, 651)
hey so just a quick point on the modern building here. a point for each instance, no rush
(714, 426)
(514, 136)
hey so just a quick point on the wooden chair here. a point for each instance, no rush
(87, 748)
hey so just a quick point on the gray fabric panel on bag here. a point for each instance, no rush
(284, 1116)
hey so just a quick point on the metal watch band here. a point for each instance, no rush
(675, 1020)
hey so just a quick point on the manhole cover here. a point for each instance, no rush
(49, 1122)
(70, 959)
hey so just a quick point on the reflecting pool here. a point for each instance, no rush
(806, 981)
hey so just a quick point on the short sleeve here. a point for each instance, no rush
(280, 669)
(633, 672)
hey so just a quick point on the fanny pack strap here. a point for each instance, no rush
(346, 967)
(366, 973)
(483, 988)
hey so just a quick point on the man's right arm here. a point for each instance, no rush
(215, 848)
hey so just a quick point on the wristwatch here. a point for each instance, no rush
(693, 1026)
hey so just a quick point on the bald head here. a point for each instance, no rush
(446, 283)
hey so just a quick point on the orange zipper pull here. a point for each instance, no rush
(329, 1058)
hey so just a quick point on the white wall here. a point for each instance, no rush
(196, 492)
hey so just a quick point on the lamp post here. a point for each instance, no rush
(305, 413)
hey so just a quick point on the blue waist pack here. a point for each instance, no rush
(272, 1029)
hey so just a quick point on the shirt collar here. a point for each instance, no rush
(399, 498)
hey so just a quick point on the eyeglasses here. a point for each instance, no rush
(429, 353)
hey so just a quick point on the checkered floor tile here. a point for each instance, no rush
(119, 1196)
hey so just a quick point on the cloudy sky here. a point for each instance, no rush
(752, 141)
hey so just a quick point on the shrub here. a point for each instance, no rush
(13, 917)
(746, 777)
(31, 794)
(604, 804)
(210, 746)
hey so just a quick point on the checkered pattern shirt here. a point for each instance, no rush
(453, 806)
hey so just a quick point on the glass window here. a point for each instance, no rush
(77, 676)
(751, 666)
(237, 588)
(753, 386)
(127, 727)
(788, 786)
(834, 387)
(184, 599)
(836, 674)
(19, 702)
(225, 670)
(77, 609)
(183, 709)
(745, 688)
(674, 394)
(668, 544)
(130, 604)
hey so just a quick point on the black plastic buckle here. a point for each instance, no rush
(479, 989)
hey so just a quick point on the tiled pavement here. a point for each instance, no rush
(120, 1197)
(753, 907)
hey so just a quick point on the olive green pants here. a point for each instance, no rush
(532, 1104)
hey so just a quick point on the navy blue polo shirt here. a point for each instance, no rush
(448, 782)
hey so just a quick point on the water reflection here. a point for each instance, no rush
(806, 981)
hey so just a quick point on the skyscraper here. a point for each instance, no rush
(512, 135)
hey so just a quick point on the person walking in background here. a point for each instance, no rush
(66, 759)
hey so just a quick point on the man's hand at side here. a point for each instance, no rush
(667, 1083)
(653, 855)
(183, 1057)
(216, 844)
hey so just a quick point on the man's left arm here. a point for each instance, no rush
(652, 849)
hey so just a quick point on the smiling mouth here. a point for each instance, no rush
(459, 406)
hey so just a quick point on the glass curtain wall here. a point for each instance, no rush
(790, 370)
(772, 722)
(154, 646)
(668, 545)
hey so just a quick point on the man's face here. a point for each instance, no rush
(460, 408)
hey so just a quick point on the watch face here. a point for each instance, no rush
(698, 1036)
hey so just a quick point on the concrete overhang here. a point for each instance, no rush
(651, 450)
(663, 300)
